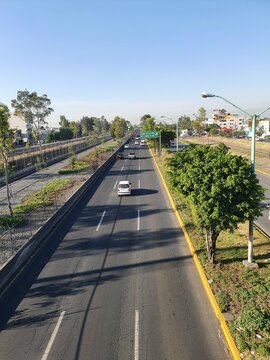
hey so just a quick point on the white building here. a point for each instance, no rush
(18, 124)
(24, 130)
(265, 125)
(229, 121)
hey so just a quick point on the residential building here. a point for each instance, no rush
(265, 126)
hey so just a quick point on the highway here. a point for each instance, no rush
(118, 282)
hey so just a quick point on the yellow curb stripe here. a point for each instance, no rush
(223, 325)
(262, 172)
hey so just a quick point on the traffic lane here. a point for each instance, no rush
(59, 279)
(110, 288)
(263, 221)
(182, 320)
(264, 182)
(108, 329)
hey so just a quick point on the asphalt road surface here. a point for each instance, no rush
(264, 221)
(119, 283)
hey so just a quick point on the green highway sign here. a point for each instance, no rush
(149, 134)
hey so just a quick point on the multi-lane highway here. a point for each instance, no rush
(121, 284)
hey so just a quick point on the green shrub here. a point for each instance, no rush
(251, 320)
(8, 221)
(240, 342)
(263, 349)
(78, 167)
(223, 300)
(42, 197)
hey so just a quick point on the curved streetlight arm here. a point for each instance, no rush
(263, 111)
(237, 107)
(206, 95)
(167, 117)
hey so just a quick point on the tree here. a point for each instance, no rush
(166, 137)
(144, 119)
(118, 128)
(6, 144)
(219, 185)
(49, 138)
(184, 123)
(197, 126)
(149, 124)
(213, 129)
(87, 125)
(64, 123)
(35, 109)
(201, 114)
(105, 124)
(76, 129)
(97, 126)
(65, 133)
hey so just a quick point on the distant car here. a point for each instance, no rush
(143, 142)
(124, 188)
(137, 142)
(132, 155)
(120, 156)
(126, 146)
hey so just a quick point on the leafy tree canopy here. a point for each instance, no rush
(87, 125)
(149, 124)
(201, 114)
(64, 123)
(6, 143)
(118, 127)
(33, 107)
(144, 119)
(65, 133)
(185, 123)
(221, 187)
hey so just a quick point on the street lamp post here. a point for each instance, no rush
(249, 262)
(177, 136)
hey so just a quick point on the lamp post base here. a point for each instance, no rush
(250, 265)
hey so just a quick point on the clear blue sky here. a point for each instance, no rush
(131, 57)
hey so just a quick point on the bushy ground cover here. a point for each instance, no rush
(43, 197)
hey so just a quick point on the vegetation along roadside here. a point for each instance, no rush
(242, 294)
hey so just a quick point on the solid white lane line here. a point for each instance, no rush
(115, 184)
(53, 336)
(138, 220)
(136, 340)
(100, 221)
(122, 168)
(139, 183)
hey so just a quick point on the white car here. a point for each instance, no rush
(137, 142)
(126, 146)
(132, 155)
(124, 188)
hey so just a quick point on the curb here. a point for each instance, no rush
(230, 342)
